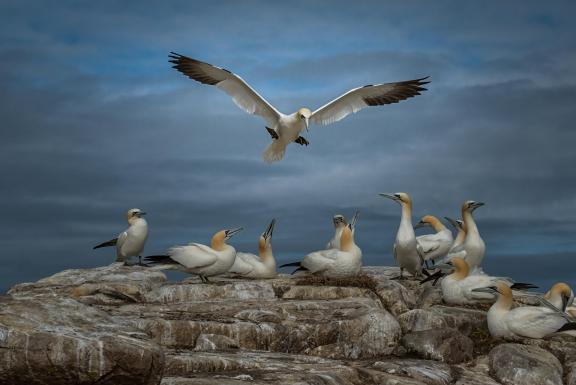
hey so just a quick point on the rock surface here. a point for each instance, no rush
(128, 325)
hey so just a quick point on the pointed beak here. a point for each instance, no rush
(389, 196)
(231, 233)
(452, 222)
(354, 220)
(475, 205)
(306, 123)
(141, 213)
(268, 233)
(420, 224)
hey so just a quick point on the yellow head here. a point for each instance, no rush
(461, 268)
(430, 220)
(304, 113)
(470, 206)
(134, 214)
(346, 239)
(265, 240)
(400, 197)
(219, 239)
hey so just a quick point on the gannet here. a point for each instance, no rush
(560, 295)
(524, 321)
(461, 233)
(434, 246)
(339, 225)
(458, 287)
(473, 248)
(130, 242)
(195, 258)
(334, 263)
(406, 250)
(262, 265)
(285, 129)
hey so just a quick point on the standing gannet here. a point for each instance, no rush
(461, 233)
(195, 258)
(285, 129)
(339, 225)
(560, 295)
(473, 248)
(434, 246)
(406, 250)
(262, 265)
(458, 287)
(334, 263)
(130, 242)
(524, 321)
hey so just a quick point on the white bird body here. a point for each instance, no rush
(130, 242)
(560, 295)
(195, 258)
(520, 322)
(473, 247)
(407, 253)
(434, 246)
(336, 263)
(260, 266)
(285, 129)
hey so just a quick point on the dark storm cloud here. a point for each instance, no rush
(94, 122)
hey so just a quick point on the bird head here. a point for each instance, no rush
(304, 114)
(133, 214)
(470, 206)
(339, 221)
(400, 197)
(266, 237)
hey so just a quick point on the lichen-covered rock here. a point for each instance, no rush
(52, 340)
(463, 319)
(446, 345)
(515, 364)
(429, 372)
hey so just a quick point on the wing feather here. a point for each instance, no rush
(193, 256)
(369, 95)
(242, 94)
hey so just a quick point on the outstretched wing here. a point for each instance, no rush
(362, 97)
(243, 95)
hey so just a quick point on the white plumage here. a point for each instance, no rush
(258, 266)
(285, 129)
(434, 246)
(407, 253)
(473, 247)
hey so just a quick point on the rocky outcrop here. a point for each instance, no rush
(128, 325)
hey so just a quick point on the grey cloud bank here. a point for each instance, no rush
(95, 121)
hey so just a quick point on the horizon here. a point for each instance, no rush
(96, 122)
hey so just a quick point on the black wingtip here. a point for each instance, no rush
(109, 243)
(290, 264)
(433, 277)
(567, 326)
(301, 268)
(523, 286)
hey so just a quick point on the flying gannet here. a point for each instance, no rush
(523, 321)
(458, 287)
(334, 263)
(285, 129)
(407, 253)
(195, 258)
(130, 242)
(262, 265)
(473, 248)
(339, 225)
(434, 246)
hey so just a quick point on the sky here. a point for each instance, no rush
(95, 121)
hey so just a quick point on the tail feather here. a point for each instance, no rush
(290, 264)
(523, 286)
(274, 152)
(300, 268)
(109, 243)
(567, 326)
(160, 259)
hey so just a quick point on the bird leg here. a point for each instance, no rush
(302, 141)
(400, 277)
(272, 133)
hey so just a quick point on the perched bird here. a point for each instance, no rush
(473, 248)
(461, 233)
(458, 287)
(334, 263)
(195, 258)
(434, 246)
(285, 129)
(262, 265)
(130, 242)
(339, 225)
(560, 296)
(523, 321)
(407, 253)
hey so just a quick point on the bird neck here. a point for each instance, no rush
(265, 251)
(460, 237)
(436, 225)
(406, 218)
(471, 228)
(346, 240)
(504, 301)
(218, 242)
(137, 221)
